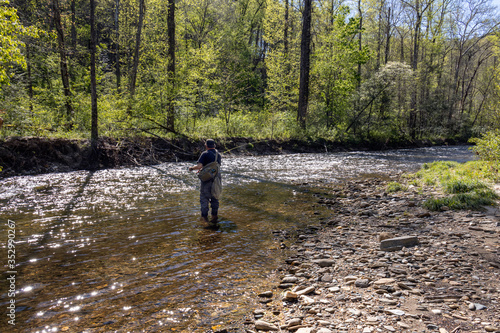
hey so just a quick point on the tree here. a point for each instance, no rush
(282, 59)
(63, 63)
(171, 63)
(93, 81)
(138, 36)
(335, 61)
(305, 63)
(11, 45)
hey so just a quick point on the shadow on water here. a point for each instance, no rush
(64, 219)
(124, 250)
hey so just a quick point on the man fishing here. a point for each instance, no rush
(206, 197)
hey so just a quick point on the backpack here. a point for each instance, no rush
(209, 171)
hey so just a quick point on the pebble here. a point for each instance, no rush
(265, 326)
(344, 282)
(362, 283)
(395, 312)
(266, 294)
(324, 330)
(304, 330)
(384, 281)
(290, 295)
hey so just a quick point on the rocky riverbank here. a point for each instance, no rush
(33, 155)
(384, 264)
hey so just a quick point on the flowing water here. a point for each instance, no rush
(124, 250)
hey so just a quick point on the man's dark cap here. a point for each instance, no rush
(210, 143)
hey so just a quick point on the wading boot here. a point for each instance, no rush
(214, 219)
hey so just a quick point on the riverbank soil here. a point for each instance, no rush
(32, 155)
(382, 263)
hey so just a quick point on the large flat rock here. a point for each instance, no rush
(396, 244)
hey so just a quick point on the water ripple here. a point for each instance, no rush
(123, 249)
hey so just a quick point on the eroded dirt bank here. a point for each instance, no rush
(27, 156)
(338, 279)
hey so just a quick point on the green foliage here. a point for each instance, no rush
(471, 200)
(281, 64)
(335, 61)
(393, 187)
(237, 72)
(488, 146)
(467, 184)
(456, 186)
(376, 96)
(11, 32)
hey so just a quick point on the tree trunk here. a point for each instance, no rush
(171, 64)
(285, 36)
(387, 36)
(30, 79)
(93, 82)
(305, 53)
(73, 25)
(379, 35)
(63, 60)
(135, 65)
(360, 13)
(117, 47)
(412, 122)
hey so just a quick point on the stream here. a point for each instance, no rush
(124, 249)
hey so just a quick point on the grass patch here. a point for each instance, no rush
(475, 200)
(393, 187)
(455, 186)
(466, 185)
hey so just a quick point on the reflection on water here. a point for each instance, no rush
(123, 249)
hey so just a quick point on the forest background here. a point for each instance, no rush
(370, 70)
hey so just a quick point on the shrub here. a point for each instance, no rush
(488, 146)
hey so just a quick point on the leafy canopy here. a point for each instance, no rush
(11, 32)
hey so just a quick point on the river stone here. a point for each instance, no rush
(290, 279)
(305, 291)
(294, 322)
(307, 300)
(324, 262)
(384, 281)
(476, 306)
(362, 283)
(385, 235)
(396, 244)
(395, 312)
(265, 326)
(324, 330)
(327, 278)
(291, 296)
(403, 325)
(388, 301)
(304, 330)
(350, 278)
(403, 285)
(266, 294)
(354, 312)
